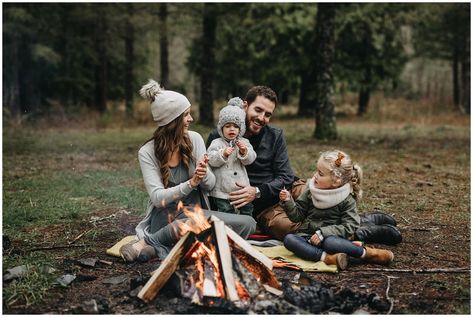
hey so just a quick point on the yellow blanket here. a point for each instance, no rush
(271, 252)
(309, 266)
(114, 251)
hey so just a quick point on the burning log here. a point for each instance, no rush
(214, 263)
(226, 259)
(165, 270)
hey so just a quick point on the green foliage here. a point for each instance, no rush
(440, 29)
(369, 45)
(54, 50)
(259, 44)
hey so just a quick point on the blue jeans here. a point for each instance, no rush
(331, 244)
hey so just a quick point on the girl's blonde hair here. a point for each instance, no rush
(342, 167)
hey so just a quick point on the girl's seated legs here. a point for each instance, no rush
(336, 244)
(302, 248)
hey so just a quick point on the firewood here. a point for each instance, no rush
(248, 248)
(225, 259)
(165, 270)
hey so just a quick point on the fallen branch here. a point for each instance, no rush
(79, 236)
(54, 247)
(406, 220)
(425, 229)
(439, 270)
(391, 301)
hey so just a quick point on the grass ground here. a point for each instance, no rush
(60, 182)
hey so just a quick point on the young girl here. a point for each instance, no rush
(328, 215)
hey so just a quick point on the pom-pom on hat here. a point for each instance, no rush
(166, 105)
(233, 113)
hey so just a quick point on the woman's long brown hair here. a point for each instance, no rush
(167, 139)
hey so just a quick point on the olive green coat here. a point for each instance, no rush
(340, 220)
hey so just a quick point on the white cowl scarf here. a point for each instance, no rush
(326, 198)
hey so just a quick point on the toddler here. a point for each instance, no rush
(328, 215)
(228, 156)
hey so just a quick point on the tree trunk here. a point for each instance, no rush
(129, 59)
(208, 65)
(101, 66)
(325, 125)
(456, 83)
(66, 37)
(26, 83)
(465, 102)
(14, 93)
(363, 100)
(163, 45)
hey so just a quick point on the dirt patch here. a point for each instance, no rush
(431, 293)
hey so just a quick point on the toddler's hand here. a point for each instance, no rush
(315, 240)
(242, 147)
(228, 151)
(284, 195)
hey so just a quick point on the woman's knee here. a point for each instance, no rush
(249, 223)
(243, 225)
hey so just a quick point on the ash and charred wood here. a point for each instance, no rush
(227, 307)
(182, 282)
(244, 245)
(439, 270)
(210, 287)
(261, 272)
(247, 283)
(165, 270)
(225, 259)
(273, 290)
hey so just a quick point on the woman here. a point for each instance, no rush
(174, 167)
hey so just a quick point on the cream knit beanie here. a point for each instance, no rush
(166, 105)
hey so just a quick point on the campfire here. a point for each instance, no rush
(211, 262)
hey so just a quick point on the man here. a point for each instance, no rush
(271, 171)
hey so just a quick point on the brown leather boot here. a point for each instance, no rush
(339, 259)
(378, 256)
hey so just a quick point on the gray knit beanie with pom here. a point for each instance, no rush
(233, 113)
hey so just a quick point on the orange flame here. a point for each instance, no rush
(195, 222)
(206, 250)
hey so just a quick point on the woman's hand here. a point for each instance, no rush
(242, 147)
(200, 171)
(228, 151)
(284, 195)
(315, 240)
